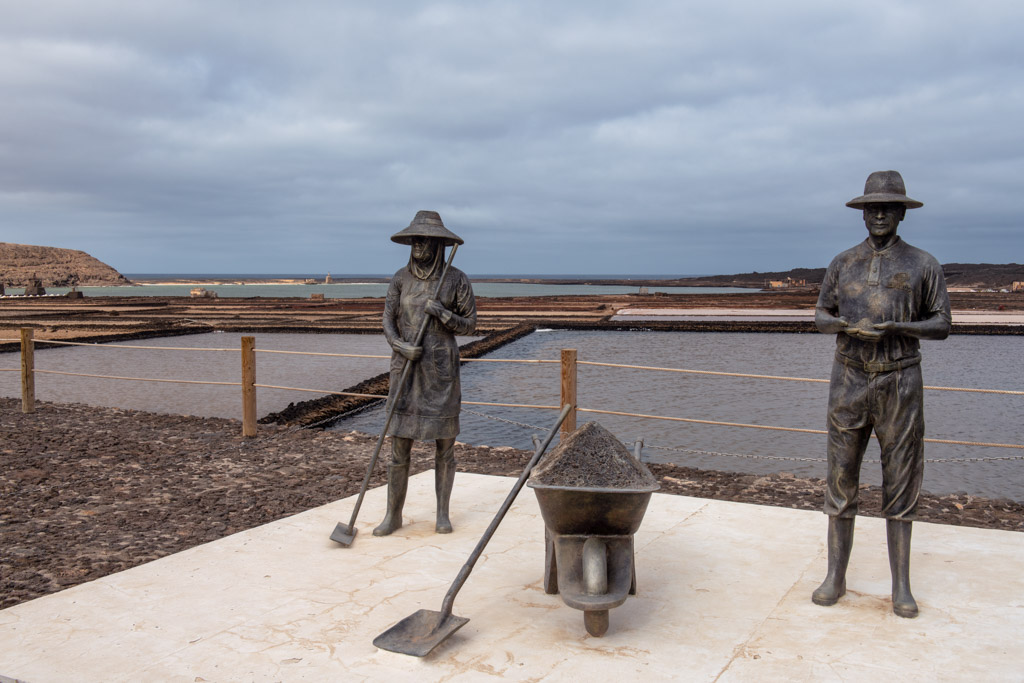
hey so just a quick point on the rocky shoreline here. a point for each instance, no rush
(20, 264)
(87, 491)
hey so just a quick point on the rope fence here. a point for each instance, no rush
(787, 379)
(128, 346)
(534, 361)
(718, 423)
(509, 405)
(319, 391)
(702, 422)
(138, 379)
(568, 365)
(317, 353)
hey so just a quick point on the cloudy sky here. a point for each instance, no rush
(657, 137)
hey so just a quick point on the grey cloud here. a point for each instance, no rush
(560, 137)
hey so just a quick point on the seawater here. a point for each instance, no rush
(988, 362)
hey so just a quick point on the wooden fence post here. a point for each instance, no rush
(28, 374)
(569, 389)
(248, 386)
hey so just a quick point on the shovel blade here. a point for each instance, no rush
(344, 534)
(419, 633)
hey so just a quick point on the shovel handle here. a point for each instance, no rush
(398, 391)
(449, 598)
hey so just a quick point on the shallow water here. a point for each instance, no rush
(960, 361)
(990, 362)
(309, 372)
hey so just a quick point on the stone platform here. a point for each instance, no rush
(724, 595)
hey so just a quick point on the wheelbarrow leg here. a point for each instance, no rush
(632, 568)
(596, 622)
(550, 565)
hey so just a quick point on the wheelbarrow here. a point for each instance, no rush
(588, 540)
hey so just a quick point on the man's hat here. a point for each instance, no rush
(882, 187)
(427, 224)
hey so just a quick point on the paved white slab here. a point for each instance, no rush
(724, 594)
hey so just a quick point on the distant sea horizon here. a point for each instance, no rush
(374, 285)
(353, 276)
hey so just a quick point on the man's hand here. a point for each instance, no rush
(828, 323)
(867, 331)
(435, 309)
(407, 350)
(864, 335)
(888, 327)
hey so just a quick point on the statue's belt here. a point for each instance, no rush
(878, 366)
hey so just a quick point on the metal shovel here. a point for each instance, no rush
(421, 632)
(346, 534)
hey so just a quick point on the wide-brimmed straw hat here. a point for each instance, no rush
(427, 224)
(882, 187)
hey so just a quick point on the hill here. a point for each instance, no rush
(974, 275)
(983, 275)
(54, 266)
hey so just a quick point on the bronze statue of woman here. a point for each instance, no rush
(427, 407)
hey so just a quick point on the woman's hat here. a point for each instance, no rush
(882, 187)
(427, 224)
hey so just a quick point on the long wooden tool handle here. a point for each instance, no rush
(449, 598)
(397, 393)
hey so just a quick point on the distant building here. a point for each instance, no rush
(328, 280)
(784, 284)
(34, 287)
(1018, 286)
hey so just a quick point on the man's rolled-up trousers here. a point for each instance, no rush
(892, 404)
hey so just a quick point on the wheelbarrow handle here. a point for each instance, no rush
(449, 598)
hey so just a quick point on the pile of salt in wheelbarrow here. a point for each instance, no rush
(593, 494)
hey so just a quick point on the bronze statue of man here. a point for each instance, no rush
(427, 407)
(879, 299)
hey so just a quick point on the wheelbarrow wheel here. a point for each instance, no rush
(595, 567)
(596, 621)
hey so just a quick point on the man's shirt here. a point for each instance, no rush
(865, 286)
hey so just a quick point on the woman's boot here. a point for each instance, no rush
(398, 484)
(444, 480)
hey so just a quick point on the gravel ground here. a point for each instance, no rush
(86, 491)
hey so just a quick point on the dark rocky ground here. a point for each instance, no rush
(88, 491)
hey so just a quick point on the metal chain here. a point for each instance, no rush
(962, 460)
(737, 455)
(501, 419)
(793, 459)
(748, 456)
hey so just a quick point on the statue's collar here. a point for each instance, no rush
(892, 245)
